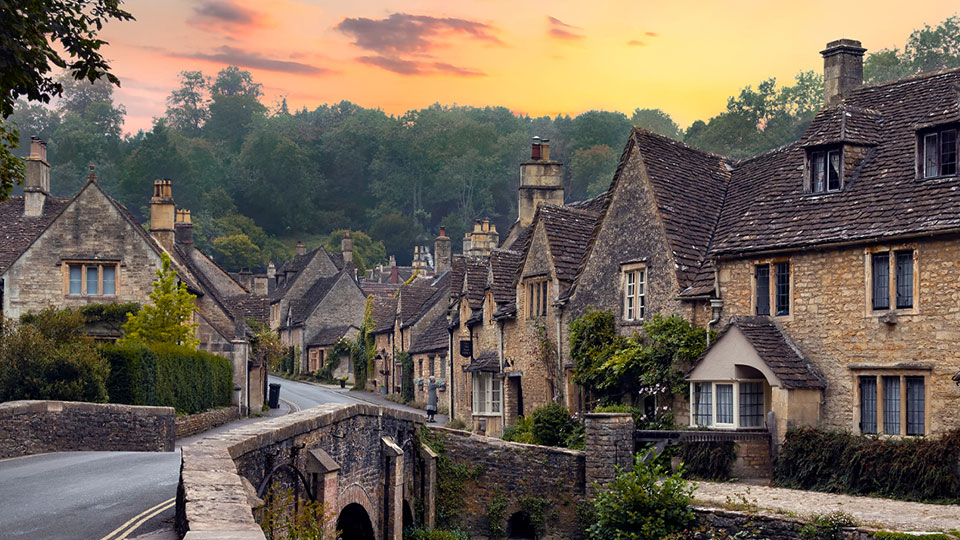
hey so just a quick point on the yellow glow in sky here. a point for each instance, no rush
(537, 58)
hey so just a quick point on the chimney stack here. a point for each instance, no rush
(842, 69)
(541, 180)
(183, 229)
(301, 249)
(246, 279)
(442, 252)
(346, 247)
(162, 214)
(394, 271)
(271, 271)
(483, 239)
(36, 188)
(260, 285)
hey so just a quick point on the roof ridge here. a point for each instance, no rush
(639, 130)
(909, 78)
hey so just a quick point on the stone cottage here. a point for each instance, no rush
(89, 249)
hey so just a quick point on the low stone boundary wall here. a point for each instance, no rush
(36, 427)
(198, 423)
(761, 525)
(218, 473)
(514, 472)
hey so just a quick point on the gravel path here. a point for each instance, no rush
(872, 512)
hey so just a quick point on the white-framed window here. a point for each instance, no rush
(91, 279)
(728, 404)
(634, 294)
(487, 394)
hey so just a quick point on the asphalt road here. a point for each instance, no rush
(110, 495)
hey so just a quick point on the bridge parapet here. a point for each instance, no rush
(336, 454)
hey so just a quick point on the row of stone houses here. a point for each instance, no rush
(88, 249)
(830, 266)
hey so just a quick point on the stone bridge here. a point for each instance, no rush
(362, 463)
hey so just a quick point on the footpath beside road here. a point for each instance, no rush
(871, 512)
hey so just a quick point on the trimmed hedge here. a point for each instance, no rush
(918, 469)
(168, 375)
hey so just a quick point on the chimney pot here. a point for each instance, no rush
(545, 150)
(842, 69)
(535, 149)
(301, 249)
(271, 270)
(443, 231)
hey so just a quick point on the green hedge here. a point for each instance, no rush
(836, 461)
(168, 375)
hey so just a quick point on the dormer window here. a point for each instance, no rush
(938, 151)
(825, 171)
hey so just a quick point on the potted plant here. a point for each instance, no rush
(441, 384)
(343, 381)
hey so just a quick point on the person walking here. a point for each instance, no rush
(432, 399)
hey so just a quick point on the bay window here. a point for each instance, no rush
(728, 404)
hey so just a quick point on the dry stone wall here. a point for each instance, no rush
(35, 427)
(198, 423)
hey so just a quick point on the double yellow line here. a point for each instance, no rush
(293, 406)
(136, 521)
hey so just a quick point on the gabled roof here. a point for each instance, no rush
(568, 233)
(486, 361)
(768, 210)
(476, 280)
(296, 267)
(844, 123)
(418, 297)
(434, 338)
(249, 306)
(384, 313)
(776, 351)
(504, 265)
(18, 232)
(329, 336)
(303, 307)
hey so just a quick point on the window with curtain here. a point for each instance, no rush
(891, 405)
(92, 279)
(724, 403)
(703, 408)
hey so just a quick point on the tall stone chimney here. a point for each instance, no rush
(442, 252)
(162, 214)
(842, 69)
(271, 270)
(36, 186)
(301, 249)
(183, 229)
(483, 239)
(246, 279)
(541, 180)
(260, 287)
(346, 247)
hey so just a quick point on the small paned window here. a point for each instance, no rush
(634, 295)
(96, 279)
(939, 153)
(891, 405)
(725, 404)
(763, 289)
(431, 358)
(538, 299)
(751, 404)
(881, 280)
(421, 367)
(443, 367)
(825, 171)
(904, 279)
(783, 288)
(703, 408)
(486, 394)
(915, 405)
(868, 405)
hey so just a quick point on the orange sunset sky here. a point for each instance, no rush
(537, 58)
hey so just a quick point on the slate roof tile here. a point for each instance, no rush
(18, 232)
(434, 338)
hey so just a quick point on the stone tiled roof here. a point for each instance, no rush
(329, 336)
(767, 208)
(384, 313)
(249, 306)
(486, 361)
(378, 289)
(17, 232)
(417, 298)
(568, 233)
(458, 268)
(773, 347)
(844, 123)
(476, 270)
(434, 338)
(594, 204)
(504, 266)
(303, 307)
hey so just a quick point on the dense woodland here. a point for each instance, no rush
(258, 176)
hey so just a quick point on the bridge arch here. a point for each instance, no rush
(520, 526)
(354, 523)
(355, 494)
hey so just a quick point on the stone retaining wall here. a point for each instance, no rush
(515, 471)
(35, 427)
(761, 525)
(753, 459)
(198, 423)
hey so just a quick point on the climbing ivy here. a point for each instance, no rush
(452, 478)
(406, 376)
(536, 510)
(496, 516)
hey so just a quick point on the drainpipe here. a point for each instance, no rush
(716, 306)
(561, 376)
(503, 380)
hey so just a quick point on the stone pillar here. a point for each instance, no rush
(429, 486)
(324, 475)
(393, 492)
(609, 443)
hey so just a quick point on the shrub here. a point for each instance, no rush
(552, 425)
(133, 374)
(707, 460)
(47, 356)
(838, 461)
(435, 534)
(644, 503)
(827, 526)
(521, 432)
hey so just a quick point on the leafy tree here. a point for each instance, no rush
(36, 36)
(236, 252)
(927, 49)
(366, 252)
(266, 345)
(591, 170)
(48, 356)
(235, 104)
(399, 234)
(168, 316)
(646, 502)
(656, 121)
(188, 106)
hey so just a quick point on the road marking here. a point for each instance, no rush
(24, 457)
(293, 406)
(145, 519)
(156, 509)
